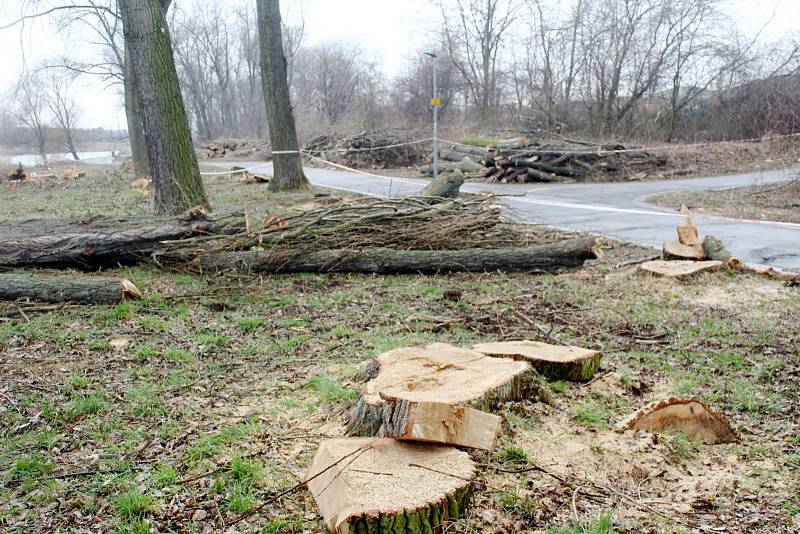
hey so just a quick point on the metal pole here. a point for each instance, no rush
(435, 102)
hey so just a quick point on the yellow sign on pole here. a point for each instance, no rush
(436, 101)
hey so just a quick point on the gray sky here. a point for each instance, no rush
(388, 30)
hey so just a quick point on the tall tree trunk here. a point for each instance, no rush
(71, 143)
(177, 183)
(288, 169)
(134, 117)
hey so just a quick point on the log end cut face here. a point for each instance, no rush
(679, 268)
(553, 361)
(441, 373)
(389, 487)
(691, 417)
(675, 250)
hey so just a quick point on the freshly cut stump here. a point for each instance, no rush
(553, 361)
(442, 423)
(692, 417)
(436, 373)
(383, 486)
(675, 250)
(679, 268)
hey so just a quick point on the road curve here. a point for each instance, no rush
(617, 210)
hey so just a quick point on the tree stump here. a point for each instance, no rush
(436, 373)
(691, 417)
(553, 361)
(675, 250)
(383, 486)
(679, 269)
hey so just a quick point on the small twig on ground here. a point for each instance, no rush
(575, 515)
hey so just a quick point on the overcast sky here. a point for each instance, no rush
(389, 30)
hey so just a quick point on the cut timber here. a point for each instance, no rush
(67, 288)
(445, 186)
(439, 422)
(550, 258)
(383, 486)
(436, 373)
(675, 250)
(553, 361)
(679, 268)
(691, 417)
(715, 249)
(687, 231)
(102, 241)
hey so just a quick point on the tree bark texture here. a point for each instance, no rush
(133, 115)
(101, 242)
(545, 258)
(80, 288)
(177, 183)
(288, 172)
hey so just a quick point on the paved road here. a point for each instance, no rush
(616, 210)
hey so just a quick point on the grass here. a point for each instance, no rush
(602, 525)
(246, 394)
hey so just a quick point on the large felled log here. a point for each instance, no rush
(716, 250)
(553, 361)
(444, 186)
(550, 258)
(691, 417)
(102, 241)
(383, 486)
(439, 422)
(436, 373)
(67, 288)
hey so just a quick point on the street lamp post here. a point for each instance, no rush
(435, 103)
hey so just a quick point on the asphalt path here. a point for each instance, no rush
(617, 210)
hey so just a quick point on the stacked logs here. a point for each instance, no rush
(365, 150)
(523, 161)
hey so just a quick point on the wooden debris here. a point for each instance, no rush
(691, 417)
(679, 269)
(543, 258)
(383, 486)
(102, 241)
(687, 231)
(18, 175)
(445, 186)
(67, 288)
(553, 361)
(436, 373)
(675, 250)
(438, 422)
(716, 250)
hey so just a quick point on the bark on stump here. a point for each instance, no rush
(63, 288)
(691, 417)
(550, 258)
(715, 250)
(383, 486)
(556, 362)
(437, 373)
(102, 241)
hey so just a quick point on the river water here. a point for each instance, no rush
(29, 160)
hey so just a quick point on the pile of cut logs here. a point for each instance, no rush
(364, 150)
(523, 160)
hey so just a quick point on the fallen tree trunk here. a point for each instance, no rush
(57, 289)
(544, 258)
(102, 241)
(444, 186)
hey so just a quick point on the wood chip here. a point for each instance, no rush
(692, 417)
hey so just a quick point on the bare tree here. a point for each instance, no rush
(29, 108)
(288, 168)
(473, 32)
(177, 183)
(328, 76)
(60, 100)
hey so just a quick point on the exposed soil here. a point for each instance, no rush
(768, 202)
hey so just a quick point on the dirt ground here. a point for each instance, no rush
(769, 202)
(183, 411)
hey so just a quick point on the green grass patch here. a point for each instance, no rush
(330, 390)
